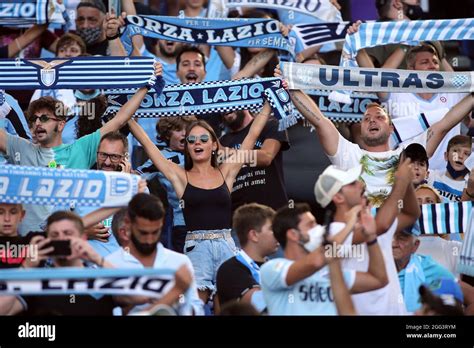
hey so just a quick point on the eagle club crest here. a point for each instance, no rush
(48, 74)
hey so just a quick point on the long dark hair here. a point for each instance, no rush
(188, 161)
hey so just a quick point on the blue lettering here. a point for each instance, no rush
(172, 98)
(147, 101)
(234, 93)
(324, 80)
(390, 77)
(347, 79)
(256, 90)
(368, 76)
(187, 98)
(220, 95)
(434, 81)
(412, 80)
(205, 97)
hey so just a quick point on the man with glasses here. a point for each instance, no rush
(47, 117)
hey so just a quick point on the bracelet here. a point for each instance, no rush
(18, 44)
(372, 242)
(110, 38)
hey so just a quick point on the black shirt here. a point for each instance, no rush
(264, 185)
(233, 280)
(99, 48)
(38, 305)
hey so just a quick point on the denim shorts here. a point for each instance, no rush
(207, 255)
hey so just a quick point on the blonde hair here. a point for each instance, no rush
(432, 189)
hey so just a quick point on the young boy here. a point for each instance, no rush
(451, 182)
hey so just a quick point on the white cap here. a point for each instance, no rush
(332, 180)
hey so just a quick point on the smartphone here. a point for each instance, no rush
(61, 247)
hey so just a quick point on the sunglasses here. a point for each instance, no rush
(43, 119)
(203, 138)
(113, 157)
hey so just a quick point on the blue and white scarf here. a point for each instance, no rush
(70, 187)
(406, 128)
(74, 73)
(414, 278)
(310, 76)
(314, 34)
(338, 112)
(19, 13)
(444, 218)
(212, 97)
(238, 32)
(382, 33)
(322, 9)
(466, 258)
(86, 281)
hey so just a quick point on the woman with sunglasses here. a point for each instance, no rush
(204, 188)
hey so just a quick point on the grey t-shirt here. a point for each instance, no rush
(22, 152)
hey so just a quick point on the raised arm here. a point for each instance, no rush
(231, 168)
(129, 108)
(255, 64)
(325, 129)
(112, 25)
(342, 297)
(173, 172)
(395, 203)
(24, 40)
(376, 276)
(437, 131)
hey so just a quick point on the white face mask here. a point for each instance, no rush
(315, 238)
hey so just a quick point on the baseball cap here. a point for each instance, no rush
(98, 4)
(413, 230)
(416, 152)
(332, 180)
(442, 292)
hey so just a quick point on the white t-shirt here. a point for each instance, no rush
(410, 104)
(387, 300)
(445, 252)
(378, 168)
(310, 296)
(449, 189)
(168, 259)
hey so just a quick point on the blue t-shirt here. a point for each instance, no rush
(310, 296)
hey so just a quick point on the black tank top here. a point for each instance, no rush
(207, 209)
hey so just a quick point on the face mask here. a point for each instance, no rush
(89, 35)
(143, 248)
(82, 96)
(414, 12)
(315, 238)
(456, 173)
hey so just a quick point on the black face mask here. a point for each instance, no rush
(456, 173)
(414, 12)
(143, 248)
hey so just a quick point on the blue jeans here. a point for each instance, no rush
(207, 255)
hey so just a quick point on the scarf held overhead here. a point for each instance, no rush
(322, 9)
(61, 281)
(239, 32)
(19, 13)
(45, 186)
(411, 32)
(74, 73)
(310, 76)
(466, 258)
(211, 97)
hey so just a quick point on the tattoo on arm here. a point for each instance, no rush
(429, 135)
(301, 105)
